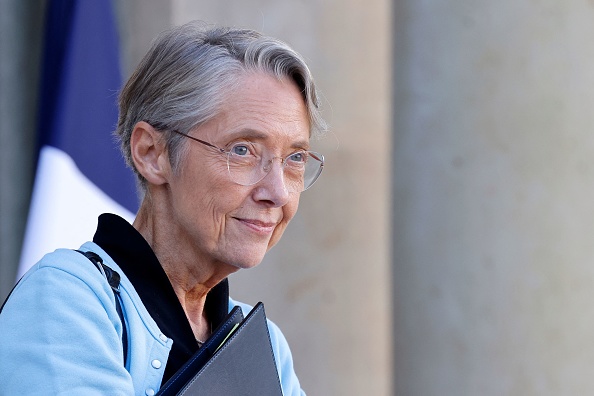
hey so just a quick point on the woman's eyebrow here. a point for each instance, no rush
(301, 145)
(247, 133)
(254, 134)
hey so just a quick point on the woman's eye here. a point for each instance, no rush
(297, 157)
(240, 149)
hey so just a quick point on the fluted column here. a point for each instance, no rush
(327, 283)
(20, 54)
(493, 198)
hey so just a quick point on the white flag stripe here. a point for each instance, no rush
(64, 208)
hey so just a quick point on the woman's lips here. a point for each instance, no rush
(263, 227)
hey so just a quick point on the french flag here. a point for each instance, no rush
(80, 171)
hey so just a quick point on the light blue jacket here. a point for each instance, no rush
(60, 333)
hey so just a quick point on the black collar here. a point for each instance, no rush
(132, 253)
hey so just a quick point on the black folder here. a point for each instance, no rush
(236, 360)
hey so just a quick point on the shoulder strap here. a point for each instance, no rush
(113, 278)
(8, 296)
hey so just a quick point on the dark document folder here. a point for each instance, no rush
(236, 360)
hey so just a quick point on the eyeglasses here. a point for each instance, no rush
(249, 162)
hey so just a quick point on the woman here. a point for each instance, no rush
(216, 124)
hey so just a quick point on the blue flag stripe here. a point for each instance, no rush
(81, 79)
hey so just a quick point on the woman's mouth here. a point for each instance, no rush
(259, 226)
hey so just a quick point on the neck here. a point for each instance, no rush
(191, 275)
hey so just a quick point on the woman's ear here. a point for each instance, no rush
(149, 153)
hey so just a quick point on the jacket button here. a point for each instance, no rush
(156, 364)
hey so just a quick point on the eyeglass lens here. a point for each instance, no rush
(301, 169)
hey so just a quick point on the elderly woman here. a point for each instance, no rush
(216, 124)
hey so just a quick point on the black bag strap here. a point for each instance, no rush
(7, 297)
(113, 278)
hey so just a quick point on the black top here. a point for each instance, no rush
(132, 253)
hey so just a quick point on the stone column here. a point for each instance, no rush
(327, 283)
(493, 197)
(20, 48)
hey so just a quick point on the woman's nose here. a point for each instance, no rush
(273, 187)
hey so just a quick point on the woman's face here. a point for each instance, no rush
(225, 222)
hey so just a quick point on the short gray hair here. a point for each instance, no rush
(182, 81)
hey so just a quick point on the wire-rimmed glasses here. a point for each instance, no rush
(249, 162)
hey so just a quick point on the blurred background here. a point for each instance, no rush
(446, 249)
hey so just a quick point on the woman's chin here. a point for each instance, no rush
(247, 264)
(246, 259)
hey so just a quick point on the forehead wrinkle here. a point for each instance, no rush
(276, 115)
